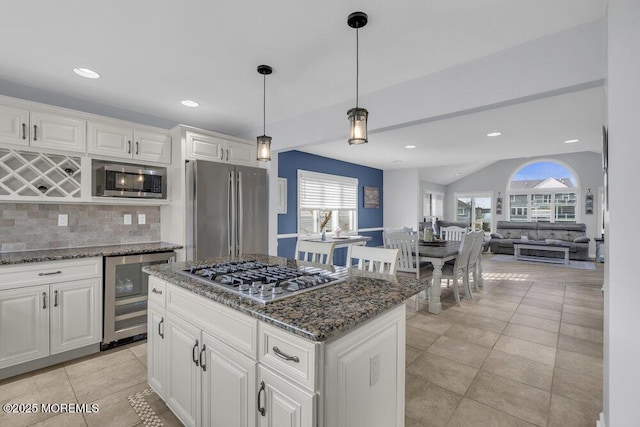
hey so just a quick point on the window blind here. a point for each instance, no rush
(324, 191)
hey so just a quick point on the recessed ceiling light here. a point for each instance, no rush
(189, 103)
(409, 146)
(494, 134)
(397, 161)
(571, 141)
(458, 173)
(87, 73)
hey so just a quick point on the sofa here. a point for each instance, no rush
(564, 234)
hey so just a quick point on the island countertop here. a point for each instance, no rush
(20, 257)
(315, 315)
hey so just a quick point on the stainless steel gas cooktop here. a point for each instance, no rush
(261, 282)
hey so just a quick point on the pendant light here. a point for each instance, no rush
(357, 116)
(264, 141)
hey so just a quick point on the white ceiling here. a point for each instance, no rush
(152, 54)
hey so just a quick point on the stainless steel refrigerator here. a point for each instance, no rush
(227, 210)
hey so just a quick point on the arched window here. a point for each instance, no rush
(543, 191)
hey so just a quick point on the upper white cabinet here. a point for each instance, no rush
(41, 130)
(124, 142)
(217, 149)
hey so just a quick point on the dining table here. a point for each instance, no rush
(437, 253)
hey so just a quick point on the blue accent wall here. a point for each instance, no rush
(290, 162)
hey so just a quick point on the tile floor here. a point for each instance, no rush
(527, 350)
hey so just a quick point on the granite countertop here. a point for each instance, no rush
(315, 315)
(85, 252)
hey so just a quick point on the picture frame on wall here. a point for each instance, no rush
(588, 203)
(499, 205)
(371, 197)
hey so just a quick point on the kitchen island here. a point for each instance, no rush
(328, 357)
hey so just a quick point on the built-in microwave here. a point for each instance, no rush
(127, 180)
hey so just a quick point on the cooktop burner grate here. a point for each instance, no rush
(259, 281)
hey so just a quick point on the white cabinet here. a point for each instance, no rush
(76, 320)
(49, 308)
(41, 129)
(183, 379)
(283, 404)
(115, 140)
(13, 125)
(156, 345)
(219, 149)
(24, 324)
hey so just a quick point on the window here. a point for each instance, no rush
(474, 210)
(326, 202)
(432, 205)
(543, 192)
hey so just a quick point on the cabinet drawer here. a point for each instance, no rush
(17, 276)
(157, 290)
(292, 356)
(238, 330)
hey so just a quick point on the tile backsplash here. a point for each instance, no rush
(25, 226)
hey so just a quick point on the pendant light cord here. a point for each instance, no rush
(264, 104)
(357, 66)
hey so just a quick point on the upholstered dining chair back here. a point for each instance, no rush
(315, 252)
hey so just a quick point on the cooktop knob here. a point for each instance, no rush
(292, 286)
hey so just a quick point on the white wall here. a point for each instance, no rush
(402, 200)
(622, 291)
(587, 165)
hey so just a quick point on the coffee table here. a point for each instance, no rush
(540, 246)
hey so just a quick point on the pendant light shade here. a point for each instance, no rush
(357, 116)
(264, 141)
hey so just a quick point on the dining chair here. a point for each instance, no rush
(460, 267)
(452, 233)
(474, 260)
(377, 260)
(407, 245)
(315, 252)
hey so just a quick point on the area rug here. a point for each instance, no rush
(580, 265)
(142, 408)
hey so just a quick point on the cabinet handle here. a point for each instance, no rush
(137, 143)
(227, 155)
(194, 351)
(55, 298)
(202, 362)
(24, 131)
(155, 291)
(50, 273)
(129, 149)
(222, 154)
(35, 132)
(161, 327)
(261, 409)
(285, 356)
(44, 300)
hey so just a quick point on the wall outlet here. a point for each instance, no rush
(374, 370)
(142, 219)
(127, 219)
(63, 220)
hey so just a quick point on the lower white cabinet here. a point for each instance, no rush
(49, 308)
(24, 325)
(235, 371)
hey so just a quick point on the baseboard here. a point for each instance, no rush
(48, 361)
(600, 422)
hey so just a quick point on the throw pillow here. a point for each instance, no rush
(583, 239)
(497, 235)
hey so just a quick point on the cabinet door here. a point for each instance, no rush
(24, 324)
(76, 314)
(156, 348)
(109, 140)
(152, 147)
(238, 153)
(228, 386)
(14, 126)
(183, 380)
(58, 132)
(204, 147)
(285, 404)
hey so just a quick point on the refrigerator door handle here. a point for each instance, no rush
(240, 213)
(231, 216)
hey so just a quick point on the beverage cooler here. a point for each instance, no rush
(125, 295)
